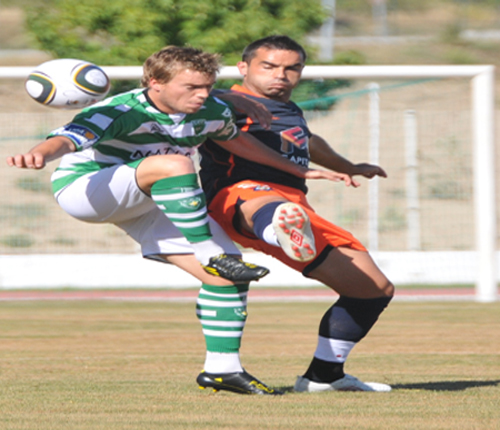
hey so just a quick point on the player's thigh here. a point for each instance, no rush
(158, 236)
(352, 273)
(109, 195)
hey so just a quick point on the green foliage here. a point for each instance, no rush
(126, 32)
(364, 7)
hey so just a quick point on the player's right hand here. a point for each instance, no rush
(27, 161)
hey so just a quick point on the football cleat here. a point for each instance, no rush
(347, 383)
(240, 382)
(293, 229)
(234, 269)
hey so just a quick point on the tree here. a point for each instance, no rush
(126, 32)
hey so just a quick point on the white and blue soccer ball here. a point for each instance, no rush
(67, 83)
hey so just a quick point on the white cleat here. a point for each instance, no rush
(293, 229)
(347, 383)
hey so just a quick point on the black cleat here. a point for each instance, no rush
(234, 269)
(241, 383)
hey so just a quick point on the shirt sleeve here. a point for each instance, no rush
(87, 128)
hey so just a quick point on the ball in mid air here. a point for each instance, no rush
(67, 83)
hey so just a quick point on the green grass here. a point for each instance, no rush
(123, 365)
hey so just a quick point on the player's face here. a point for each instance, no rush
(184, 93)
(272, 73)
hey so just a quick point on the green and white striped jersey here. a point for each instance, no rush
(126, 128)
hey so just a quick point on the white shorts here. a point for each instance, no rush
(112, 196)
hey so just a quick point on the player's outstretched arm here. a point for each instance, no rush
(247, 146)
(41, 154)
(323, 154)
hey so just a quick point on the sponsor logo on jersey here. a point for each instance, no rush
(293, 137)
(80, 135)
(165, 150)
(304, 161)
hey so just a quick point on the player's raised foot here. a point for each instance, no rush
(240, 382)
(347, 383)
(293, 229)
(234, 269)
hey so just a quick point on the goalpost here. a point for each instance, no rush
(482, 140)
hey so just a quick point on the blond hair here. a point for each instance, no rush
(166, 63)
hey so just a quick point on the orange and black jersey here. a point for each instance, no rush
(288, 135)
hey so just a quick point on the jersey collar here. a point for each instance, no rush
(241, 89)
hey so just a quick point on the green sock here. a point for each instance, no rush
(182, 200)
(222, 312)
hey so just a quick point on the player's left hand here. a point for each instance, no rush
(368, 170)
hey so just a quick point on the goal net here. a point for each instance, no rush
(432, 221)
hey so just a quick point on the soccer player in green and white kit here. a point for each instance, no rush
(126, 161)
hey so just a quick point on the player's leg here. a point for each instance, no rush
(364, 293)
(222, 311)
(112, 196)
(221, 304)
(172, 182)
(363, 288)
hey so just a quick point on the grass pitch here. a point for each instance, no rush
(132, 365)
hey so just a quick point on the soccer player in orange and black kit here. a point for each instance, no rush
(266, 209)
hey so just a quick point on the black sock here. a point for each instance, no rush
(347, 320)
(324, 371)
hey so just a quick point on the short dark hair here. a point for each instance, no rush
(280, 42)
(167, 62)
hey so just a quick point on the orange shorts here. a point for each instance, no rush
(224, 207)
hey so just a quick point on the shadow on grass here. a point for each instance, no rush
(430, 386)
(446, 385)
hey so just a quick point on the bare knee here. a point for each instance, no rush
(168, 165)
(155, 168)
(386, 288)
